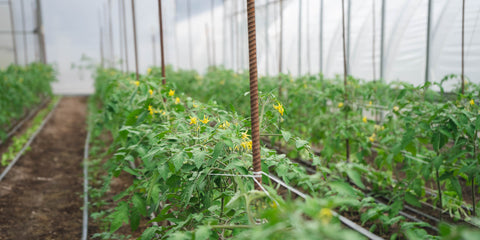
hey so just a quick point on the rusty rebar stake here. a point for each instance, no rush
(162, 53)
(252, 49)
(135, 39)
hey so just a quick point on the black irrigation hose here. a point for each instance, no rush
(24, 120)
(29, 142)
(85, 189)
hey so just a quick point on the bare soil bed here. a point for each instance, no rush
(40, 198)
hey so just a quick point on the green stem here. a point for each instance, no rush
(230, 226)
(440, 205)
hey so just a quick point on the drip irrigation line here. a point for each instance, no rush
(20, 124)
(85, 188)
(29, 142)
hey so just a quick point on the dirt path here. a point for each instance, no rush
(40, 198)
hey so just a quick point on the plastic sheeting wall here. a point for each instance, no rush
(405, 38)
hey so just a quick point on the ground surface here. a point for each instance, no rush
(40, 198)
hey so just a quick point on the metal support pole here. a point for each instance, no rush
(121, 43)
(463, 48)
(266, 37)
(224, 33)
(41, 33)
(209, 59)
(212, 16)
(25, 45)
(102, 54)
(110, 32)
(162, 52)
(280, 50)
(12, 23)
(321, 37)
(154, 51)
(124, 20)
(252, 49)
(373, 42)
(190, 33)
(299, 38)
(429, 24)
(135, 39)
(308, 38)
(382, 43)
(345, 74)
(349, 24)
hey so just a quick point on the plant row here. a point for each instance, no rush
(190, 162)
(21, 89)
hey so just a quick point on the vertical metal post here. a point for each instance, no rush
(110, 32)
(212, 16)
(349, 24)
(102, 57)
(12, 23)
(189, 33)
(373, 42)
(25, 50)
(120, 35)
(308, 38)
(321, 37)
(162, 52)
(135, 39)
(427, 60)
(280, 50)
(252, 49)
(125, 34)
(154, 51)
(266, 37)
(208, 46)
(463, 48)
(382, 43)
(345, 74)
(224, 33)
(299, 38)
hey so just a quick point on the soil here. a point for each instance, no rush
(41, 197)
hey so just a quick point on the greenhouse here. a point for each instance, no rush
(239, 119)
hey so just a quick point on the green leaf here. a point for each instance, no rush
(355, 178)
(199, 158)
(286, 135)
(149, 233)
(342, 188)
(456, 185)
(202, 233)
(412, 199)
(139, 204)
(131, 171)
(177, 160)
(119, 216)
(300, 144)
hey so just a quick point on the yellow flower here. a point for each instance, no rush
(279, 108)
(364, 119)
(396, 108)
(171, 92)
(372, 138)
(149, 70)
(193, 120)
(370, 103)
(225, 125)
(194, 105)
(150, 109)
(340, 105)
(222, 82)
(245, 135)
(177, 100)
(205, 120)
(472, 102)
(137, 83)
(247, 145)
(151, 92)
(325, 215)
